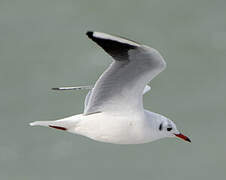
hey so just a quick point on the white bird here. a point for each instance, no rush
(113, 111)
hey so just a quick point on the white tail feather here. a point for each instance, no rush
(63, 124)
(42, 123)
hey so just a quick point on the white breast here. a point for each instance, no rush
(116, 128)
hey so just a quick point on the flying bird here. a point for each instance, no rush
(113, 108)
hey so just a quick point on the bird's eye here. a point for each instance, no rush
(169, 129)
(160, 127)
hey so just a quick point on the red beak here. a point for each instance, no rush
(183, 137)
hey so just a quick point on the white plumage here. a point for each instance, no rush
(113, 108)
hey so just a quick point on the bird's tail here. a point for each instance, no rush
(65, 124)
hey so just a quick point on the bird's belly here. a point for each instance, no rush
(113, 129)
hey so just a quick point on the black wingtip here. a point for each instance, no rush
(54, 89)
(89, 34)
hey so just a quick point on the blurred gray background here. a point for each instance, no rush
(43, 45)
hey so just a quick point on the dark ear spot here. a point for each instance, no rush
(160, 127)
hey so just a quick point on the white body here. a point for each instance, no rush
(120, 129)
(113, 127)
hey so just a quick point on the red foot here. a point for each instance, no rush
(58, 127)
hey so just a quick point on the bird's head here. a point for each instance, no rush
(167, 128)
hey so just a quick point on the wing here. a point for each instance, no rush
(72, 88)
(120, 87)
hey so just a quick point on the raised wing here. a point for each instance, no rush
(120, 87)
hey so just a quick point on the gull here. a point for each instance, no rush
(113, 108)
